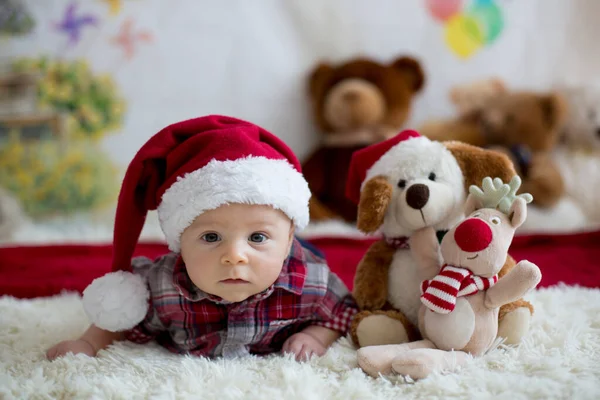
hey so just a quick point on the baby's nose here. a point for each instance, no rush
(234, 255)
(473, 235)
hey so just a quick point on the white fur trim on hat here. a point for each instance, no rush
(250, 180)
(411, 148)
(117, 301)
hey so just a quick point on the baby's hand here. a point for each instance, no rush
(303, 346)
(70, 346)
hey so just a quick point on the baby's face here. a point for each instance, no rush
(236, 250)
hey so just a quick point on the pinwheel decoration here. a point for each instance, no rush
(128, 38)
(73, 23)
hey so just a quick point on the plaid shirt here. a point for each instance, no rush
(185, 319)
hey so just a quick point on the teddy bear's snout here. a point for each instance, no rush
(351, 96)
(417, 196)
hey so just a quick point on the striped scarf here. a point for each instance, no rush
(439, 294)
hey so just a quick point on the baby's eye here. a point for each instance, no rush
(211, 237)
(257, 237)
(495, 220)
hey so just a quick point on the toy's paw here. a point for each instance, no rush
(377, 360)
(378, 329)
(530, 272)
(423, 237)
(420, 363)
(414, 364)
(515, 325)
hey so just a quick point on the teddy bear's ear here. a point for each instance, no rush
(497, 85)
(317, 79)
(554, 109)
(374, 200)
(477, 163)
(413, 71)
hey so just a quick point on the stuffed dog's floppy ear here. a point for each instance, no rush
(477, 163)
(374, 200)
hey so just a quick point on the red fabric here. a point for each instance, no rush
(363, 160)
(174, 151)
(32, 271)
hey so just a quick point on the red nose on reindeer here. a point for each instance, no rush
(473, 235)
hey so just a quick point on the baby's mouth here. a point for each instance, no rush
(233, 281)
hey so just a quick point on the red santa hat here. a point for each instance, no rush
(370, 162)
(184, 170)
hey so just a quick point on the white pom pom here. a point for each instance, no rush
(116, 301)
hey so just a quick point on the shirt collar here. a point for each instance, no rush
(292, 278)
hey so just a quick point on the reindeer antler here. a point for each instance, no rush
(492, 194)
(511, 196)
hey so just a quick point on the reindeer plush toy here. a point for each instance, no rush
(460, 302)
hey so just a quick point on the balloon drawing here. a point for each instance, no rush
(114, 6)
(443, 9)
(467, 29)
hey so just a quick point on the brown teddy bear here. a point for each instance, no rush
(578, 155)
(355, 104)
(401, 186)
(473, 96)
(524, 125)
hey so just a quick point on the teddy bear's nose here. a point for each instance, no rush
(473, 235)
(351, 96)
(417, 196)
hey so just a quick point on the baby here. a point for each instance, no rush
(229, 197)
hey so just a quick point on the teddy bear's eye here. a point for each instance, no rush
(495, 220)
(432, 176)
(402, 183)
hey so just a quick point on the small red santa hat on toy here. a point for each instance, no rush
(184, 170)
(377, 159)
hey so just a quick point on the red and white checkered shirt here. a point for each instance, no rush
(184, 319)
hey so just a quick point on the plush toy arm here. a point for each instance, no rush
(371, 279)
(425, 249)
(521, 279)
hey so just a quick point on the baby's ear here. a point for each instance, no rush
(291, 237)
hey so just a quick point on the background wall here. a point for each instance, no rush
(250, 58)
(149, 63)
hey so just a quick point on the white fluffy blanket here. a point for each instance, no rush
(559, 359)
